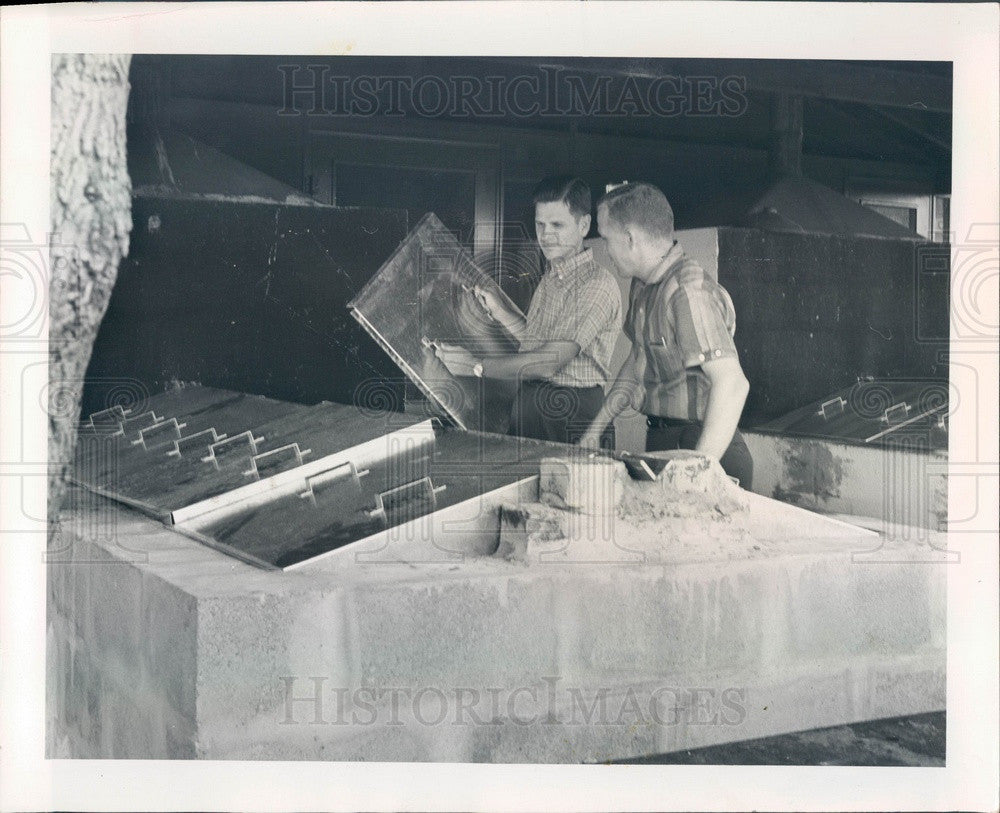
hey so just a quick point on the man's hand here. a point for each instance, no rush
(489, 301)
(500, 311)
(457, 360)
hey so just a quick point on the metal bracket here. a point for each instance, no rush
(832, 408)
(323, 481)
(281, 459)
(108, 421)
(895, 416)
(896, 413)
(395, 498)
(239, 447)
(159, 434)
(199, 441)
(136, 423)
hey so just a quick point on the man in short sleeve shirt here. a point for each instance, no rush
(683, 372)
(569, 333)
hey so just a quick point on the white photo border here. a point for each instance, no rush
(965, 34)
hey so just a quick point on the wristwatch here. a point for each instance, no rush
(477, 369)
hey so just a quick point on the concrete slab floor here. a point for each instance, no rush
(914, 741)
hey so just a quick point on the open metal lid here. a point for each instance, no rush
(425, 292)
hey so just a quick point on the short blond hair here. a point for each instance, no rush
(640, 204)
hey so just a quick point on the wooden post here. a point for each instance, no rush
(785, 156)
(91, 211)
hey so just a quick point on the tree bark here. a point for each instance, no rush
(91, 214)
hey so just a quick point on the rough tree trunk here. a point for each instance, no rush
(91, 219)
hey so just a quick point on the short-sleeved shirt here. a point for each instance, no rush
(683, 320)
(577, 300)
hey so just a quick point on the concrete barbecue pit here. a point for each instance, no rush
(556, 611)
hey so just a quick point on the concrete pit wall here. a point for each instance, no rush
(160, 647)
(901, 488)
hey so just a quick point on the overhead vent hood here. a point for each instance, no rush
(172, 164)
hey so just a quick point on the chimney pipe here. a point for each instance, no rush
(785, 154)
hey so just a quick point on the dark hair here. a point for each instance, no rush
(640, 204)
(574, 192)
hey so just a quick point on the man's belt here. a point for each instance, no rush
(659, 422)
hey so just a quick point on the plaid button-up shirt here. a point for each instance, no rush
(577, 300)
(681, 321)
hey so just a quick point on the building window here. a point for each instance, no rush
(941, 216)
(910, 203)
(456, 180)
(905, 216)
(449, 194)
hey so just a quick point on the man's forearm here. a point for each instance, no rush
(722, 414)
(544, 362)
(512, 367)
(625, 393)
(514, 323)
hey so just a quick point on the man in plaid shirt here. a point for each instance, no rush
(569, 333)
(683, 373)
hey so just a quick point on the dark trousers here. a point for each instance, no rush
(547, 411)
(665, 434)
